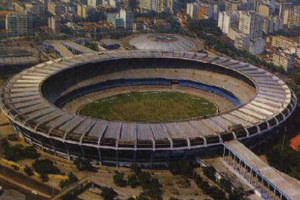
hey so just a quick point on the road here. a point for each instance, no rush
(29, 196)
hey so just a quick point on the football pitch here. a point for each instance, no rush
(149, 107)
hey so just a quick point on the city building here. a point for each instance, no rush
(82, 11)
(163, 5)
(283, 59)
(226, 20)
(18, 6)
(3, 18)
(54, 24)
(111, 18)
(251, 23)
(19, 24)
(92, 3)
(146, 5)
(232, 5)
(288, 45)
(128, 18)
(52, 7)
(272, 24)
(203, 10)
(192, 9)
(263, 9)
(156, 5)
(257, 46)
(254, 46)
(290, 14)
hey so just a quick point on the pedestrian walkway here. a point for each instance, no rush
(268, 181)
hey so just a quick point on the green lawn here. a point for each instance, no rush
(149, 107)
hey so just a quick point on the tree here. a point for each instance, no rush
(18, 152)
(236, 195)
(142, 196)
(136, 169)
(144, 178)
(31, 152)
(108, 193)
(45, 166)
(119, 179)
(28, 170)
(44, 177)
(13, 153)
(210, 172)
(225, 184)
(72, 178)
(84, 164)
(132, 181)
(183, 167)
(153, 190)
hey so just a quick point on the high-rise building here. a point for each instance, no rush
(226, 20)
(232, 5)
(290, 14)
(156, 5)
(38, 9)
(192, 9)
(288, 45)
(82, 11)
(19, 24)
(52, 7)
(254, 46)
(18, 7)
(54, 24)
(251, 23)
(263, 9)
(285, 60)
(272, 24)
(128, 18)
(146, 5)
(92, 3)
(203, 10)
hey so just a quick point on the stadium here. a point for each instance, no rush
(42, 103)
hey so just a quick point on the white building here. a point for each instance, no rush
(54, 24)
(128, 17)
(226, 19)
(92, 3)
(251, 23)
(192, 9)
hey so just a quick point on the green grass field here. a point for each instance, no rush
(149, 107)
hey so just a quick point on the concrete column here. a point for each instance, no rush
(82, 151)
(134, 156)
(117, 158)
(151, 159)
(68, 152)
(285, 129)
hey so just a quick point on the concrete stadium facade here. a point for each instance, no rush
(33, 101)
